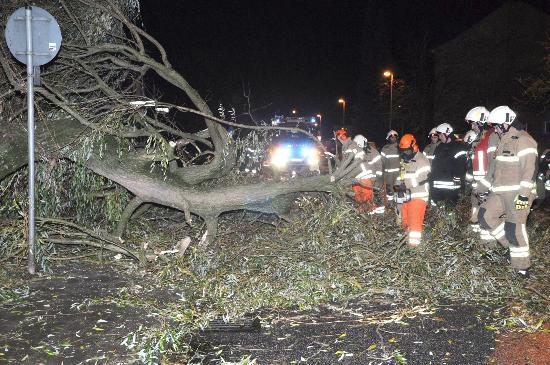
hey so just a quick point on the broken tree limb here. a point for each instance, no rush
(102, 245)
(131, 207)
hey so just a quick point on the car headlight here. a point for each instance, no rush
(311, 155)
(280, 156)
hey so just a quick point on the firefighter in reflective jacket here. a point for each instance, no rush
(505, 212)
(412, 190)
(352, 153)
(448, 167)
(368, 172)
(429, 150)
(390, 161)
(482, 160)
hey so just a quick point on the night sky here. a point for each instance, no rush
(296, 53)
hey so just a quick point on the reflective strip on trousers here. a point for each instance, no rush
(486, 235)
(519, 251)
(499, 231)
(524, 233)
(415, 237)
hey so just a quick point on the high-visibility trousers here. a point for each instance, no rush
(363, 192)
(412, 218)
(499, 219)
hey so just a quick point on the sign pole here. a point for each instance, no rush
(30, 139)
(33, 37)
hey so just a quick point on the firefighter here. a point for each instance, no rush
(470, 139)
(512, 190)
(371, 171)
(448, 167)
(390, 162)
(351, 153)
(482, 160)
(430, 148)
(412, 190)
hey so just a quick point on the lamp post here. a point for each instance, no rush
(343, 102)
(389, 74)
(293, 111)
(320, 119)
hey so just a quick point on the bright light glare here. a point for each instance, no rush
(387, 73)
(280, 157)
(311, 154)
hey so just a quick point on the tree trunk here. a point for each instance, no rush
(132, 170)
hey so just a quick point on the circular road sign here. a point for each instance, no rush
(46, 36)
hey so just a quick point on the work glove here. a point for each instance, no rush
(522, 202)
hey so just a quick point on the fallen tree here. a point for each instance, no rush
(91, 110)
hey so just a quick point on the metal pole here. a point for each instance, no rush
(30, 140)
(391, 98)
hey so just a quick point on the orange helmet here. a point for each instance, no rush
(342, 133)
(408, 141)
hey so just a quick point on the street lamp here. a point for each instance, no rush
(293, 111)
(320, 119)
(343, 102)
(389, 74)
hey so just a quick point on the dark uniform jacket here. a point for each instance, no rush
(448, 166)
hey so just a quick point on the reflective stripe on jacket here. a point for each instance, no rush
(429, 151)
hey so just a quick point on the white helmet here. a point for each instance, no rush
(470, 137)
(433, 131)
(478, 114)
(444, 128)
(392, 133)
(361, 140)
(502, 115)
